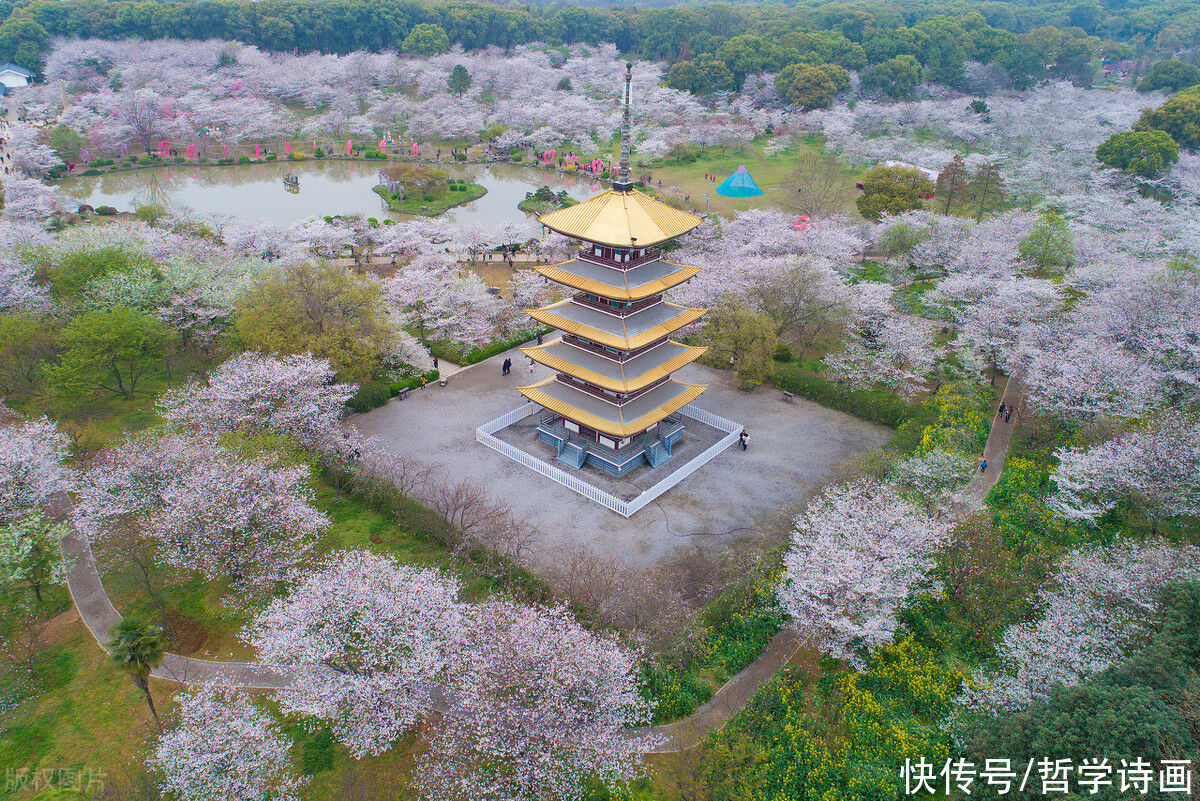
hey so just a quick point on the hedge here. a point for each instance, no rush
(455, 355)
(876, 406)
(373, 394)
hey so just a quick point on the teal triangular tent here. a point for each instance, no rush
(740, 184)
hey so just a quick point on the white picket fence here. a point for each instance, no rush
(485, 434)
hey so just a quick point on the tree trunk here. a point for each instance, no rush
(144, 685)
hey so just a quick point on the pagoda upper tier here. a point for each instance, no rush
(621, 218)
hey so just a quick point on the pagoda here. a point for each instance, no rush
(612, 402)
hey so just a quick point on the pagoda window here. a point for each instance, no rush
(611, 350)
(570, 425)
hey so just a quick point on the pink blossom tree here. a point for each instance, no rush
(224, 749)
(294, 395)
(541, 705)
(369, 641)
(31, 469)
(214, 512)
(858, 551)
(1104, 599)
(1155, 468)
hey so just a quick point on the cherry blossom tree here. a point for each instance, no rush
(1155, 468)
(30, 156)
(294, 395)
(224, 749)
(858, 551)
(1104, 599)
(933, 475)
(216, 513)
(541, 705)
(437, 301)
(896, 351)
(30, 552)
(31, 469)
(369, 641)
(1088, 377)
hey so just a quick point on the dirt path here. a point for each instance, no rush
(99, 615)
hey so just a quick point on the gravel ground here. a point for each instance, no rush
(794, 449)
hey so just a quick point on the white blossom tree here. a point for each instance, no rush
(858, 550)
(224, 749)
(1155, 468)
(294, 395)
(541, 705)
(438, 302)
(1104, 599)
(215, 512)
(369, 640)
(31, 469)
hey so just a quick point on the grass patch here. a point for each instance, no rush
(874, 405)
(435, 204)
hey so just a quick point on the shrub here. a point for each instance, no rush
(782, 353)
(271, 157)
(373, 394)
(224, 161)
(675, 692)
(874, 405)
(460, 156)
(179, 159)
(243, 159)
(105, 211)
(92, 172)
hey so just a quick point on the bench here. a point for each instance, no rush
(787, 396)
(441, 382)
(402, 394)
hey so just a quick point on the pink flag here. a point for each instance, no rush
(257, 152)
(416, 150)
(224, 151)
(287, 147)
(382, 145)
(349, 147)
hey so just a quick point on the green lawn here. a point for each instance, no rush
(417, 204)
(772, 173)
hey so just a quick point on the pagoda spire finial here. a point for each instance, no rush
(624, 182)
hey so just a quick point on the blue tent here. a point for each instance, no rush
(740, 184)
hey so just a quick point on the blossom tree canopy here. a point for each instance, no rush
(369, 641)
(542, 705)
(1105, 598)
(224, 749)
(294, 395)
(1156, 468)
(31, 470)
(858, 550)
(217, 513)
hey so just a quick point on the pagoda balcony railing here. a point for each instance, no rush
(649, 256)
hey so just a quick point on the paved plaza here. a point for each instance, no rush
(794, 449)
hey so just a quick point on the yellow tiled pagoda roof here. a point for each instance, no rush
(621, 219)
(575, 274)
(623, 333)
(617, 421)
(628, 376)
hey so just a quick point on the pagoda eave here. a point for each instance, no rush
(623, 218)
(620, 377)
(615, 421)
(616, 333)
(558, 274)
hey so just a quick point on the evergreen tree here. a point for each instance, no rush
(460, 80)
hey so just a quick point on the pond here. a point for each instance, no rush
(256, 191)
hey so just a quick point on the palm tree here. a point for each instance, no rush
(137, 649)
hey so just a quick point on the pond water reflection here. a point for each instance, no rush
(256, 191)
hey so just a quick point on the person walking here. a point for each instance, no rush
(1008, 414)
(1002, 409)
(506, 367)
(539, 337)
(531, 368)
(435, 363)
(983, 465)
(742, 438)
(423, 382)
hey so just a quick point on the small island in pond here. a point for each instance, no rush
(414, 189)
(545, 200)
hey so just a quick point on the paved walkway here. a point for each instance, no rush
(99, 615)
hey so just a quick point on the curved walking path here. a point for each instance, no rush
(99, 615)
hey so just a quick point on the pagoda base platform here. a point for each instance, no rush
(624, 480)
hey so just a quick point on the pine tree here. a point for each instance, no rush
(460, 80)
(985, 185)
(952, 183)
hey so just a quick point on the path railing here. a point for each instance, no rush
(485, 435)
